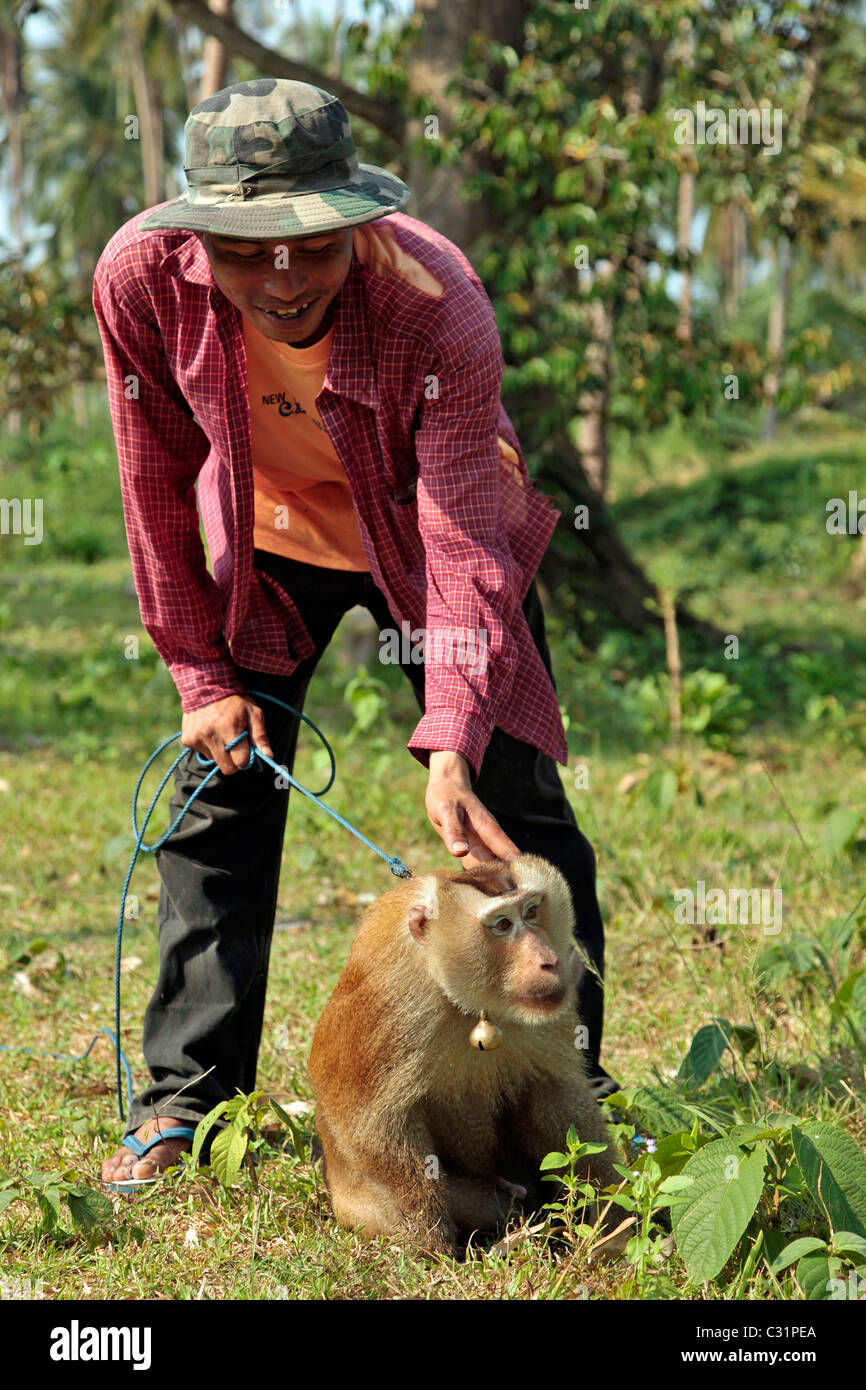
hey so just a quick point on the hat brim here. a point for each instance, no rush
(267, 215)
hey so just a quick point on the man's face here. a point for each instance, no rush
(311, 271)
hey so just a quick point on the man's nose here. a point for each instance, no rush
(288, 284)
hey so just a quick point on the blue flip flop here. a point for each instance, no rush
(131, 1185)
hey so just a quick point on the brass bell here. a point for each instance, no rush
(485, 1035)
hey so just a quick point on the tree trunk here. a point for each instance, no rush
(732, 258)
(593, 401)
(146, 89)
(685, 213)
(776, 334)
(13, 100)
(433, 62)
(215, 56)
(795, 137)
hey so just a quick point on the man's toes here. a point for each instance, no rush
(145, 1168)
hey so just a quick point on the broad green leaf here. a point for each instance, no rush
(706, 1051)
(203, 1128)
(677, 1183)
(49, 1204)
(834, 1170)
(9, 1194)
(814, 1273)
(841, 1002)
(848, 1243)
(297, 1138)
(839, 831)
(711, 1218)
(90, 1209)
(661, 1110)
(747, 1037)
(553, 1160)
(805, 1246)
(746, 1134)
(661, 788)
(227, 1153)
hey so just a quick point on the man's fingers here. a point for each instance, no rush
(489, 832)
(453, 834)
(259, 732)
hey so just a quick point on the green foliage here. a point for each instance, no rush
(240, 1134)
(88, 1211)
(576, 1194)
(723, 1179)
(712, 705)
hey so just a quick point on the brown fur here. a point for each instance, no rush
(418, 1128)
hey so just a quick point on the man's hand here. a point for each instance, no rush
(467, 828)
(209, 729)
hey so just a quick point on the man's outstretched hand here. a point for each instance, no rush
(211, 727)
(466, 827)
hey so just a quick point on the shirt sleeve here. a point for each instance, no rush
(161, 450)
(473, 581)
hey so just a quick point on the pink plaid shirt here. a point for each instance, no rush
(453, 528)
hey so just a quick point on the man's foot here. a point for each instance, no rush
(124, 1165)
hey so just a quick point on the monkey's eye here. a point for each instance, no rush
(501, 926)
(530, 912)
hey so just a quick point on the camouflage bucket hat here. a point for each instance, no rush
(270, 158)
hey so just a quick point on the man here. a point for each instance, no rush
(327, 371)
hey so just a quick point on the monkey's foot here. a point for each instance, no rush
(159, 1142)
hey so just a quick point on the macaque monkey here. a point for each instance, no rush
(426, 1136)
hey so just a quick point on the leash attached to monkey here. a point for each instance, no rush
(394, 863)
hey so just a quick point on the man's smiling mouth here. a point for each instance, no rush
(286, 315)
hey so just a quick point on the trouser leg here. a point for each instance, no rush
(522, 788)
(219, 881)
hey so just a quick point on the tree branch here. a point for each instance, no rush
(386, 116)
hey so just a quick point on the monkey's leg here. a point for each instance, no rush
(388, 1193)
(481, 1204)
(539, 1126)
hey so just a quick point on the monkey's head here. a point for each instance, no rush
(498, 937)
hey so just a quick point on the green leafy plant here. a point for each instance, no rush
(577, 1192)
(238, 1140)
(366, 696)
(89, 1211)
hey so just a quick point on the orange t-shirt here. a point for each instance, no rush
(303, 499)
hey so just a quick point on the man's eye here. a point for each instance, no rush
(240, 256)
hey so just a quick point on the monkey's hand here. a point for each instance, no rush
(467, 828)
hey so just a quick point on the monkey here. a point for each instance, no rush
(425, 1136)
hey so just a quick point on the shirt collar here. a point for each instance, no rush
(350, 368)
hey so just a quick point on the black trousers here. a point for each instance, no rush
(220, 870)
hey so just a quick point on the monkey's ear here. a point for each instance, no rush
(425, 907)
(418, 921)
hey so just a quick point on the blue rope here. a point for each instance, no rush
(64, 1057)
(396, 865)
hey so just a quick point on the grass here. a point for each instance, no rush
(748, 805)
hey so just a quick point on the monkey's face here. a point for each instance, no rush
(499, 938)
(525, 975)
